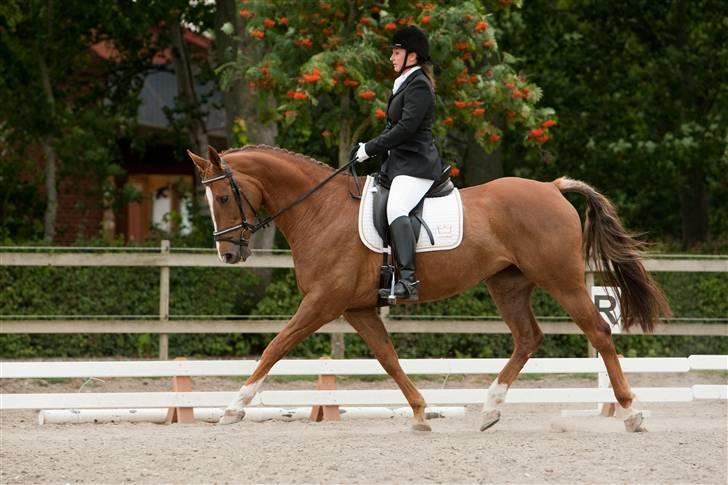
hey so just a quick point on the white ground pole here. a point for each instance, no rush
(213, 415)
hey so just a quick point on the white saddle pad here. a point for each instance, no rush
(443, 215)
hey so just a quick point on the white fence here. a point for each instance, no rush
(24, 370)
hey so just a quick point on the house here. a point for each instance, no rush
(163, 178)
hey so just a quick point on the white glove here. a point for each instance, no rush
(361, 153)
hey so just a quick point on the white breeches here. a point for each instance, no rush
(404, 194)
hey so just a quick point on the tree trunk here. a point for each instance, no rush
(240, 103)
(693, 204)
(49, 225)
(239, 99)
(225, 51)
(480, 167)
(345, 138)
(51, 163)
(693, 197)
(197, 130)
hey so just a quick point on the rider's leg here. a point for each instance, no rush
(403, 241)
(404, 194)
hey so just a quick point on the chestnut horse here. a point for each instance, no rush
(518, 234)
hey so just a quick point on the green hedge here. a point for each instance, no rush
(226, 291)
(93, 291)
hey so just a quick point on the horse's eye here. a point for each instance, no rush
(223, 199)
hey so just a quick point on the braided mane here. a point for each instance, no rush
(297, 156)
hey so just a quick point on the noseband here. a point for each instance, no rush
(239, 195)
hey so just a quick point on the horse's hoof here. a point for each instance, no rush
(489, 418)
(232, 416)
(421, 427)
(633, 423)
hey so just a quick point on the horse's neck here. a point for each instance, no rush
(283, 180)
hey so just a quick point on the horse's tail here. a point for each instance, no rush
(616, 253)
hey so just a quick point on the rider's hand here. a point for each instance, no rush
(361, 153)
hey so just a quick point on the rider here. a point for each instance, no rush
(412, 162)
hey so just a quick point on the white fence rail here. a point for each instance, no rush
(17, 370)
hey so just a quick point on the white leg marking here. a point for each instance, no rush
(208, 193)
(245, 395)
(490, 413)
(631, 417)
(496, 395)
(622, 413)
(235, 412)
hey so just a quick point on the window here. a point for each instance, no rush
(164, 205)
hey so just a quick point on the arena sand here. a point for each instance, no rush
(685, 443)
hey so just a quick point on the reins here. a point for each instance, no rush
(265, 222)
(240, 196)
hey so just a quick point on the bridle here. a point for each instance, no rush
(240, 197)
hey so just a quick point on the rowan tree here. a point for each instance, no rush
(326, 64)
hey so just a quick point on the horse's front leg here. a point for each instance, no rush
(312, 314)
(370, 327)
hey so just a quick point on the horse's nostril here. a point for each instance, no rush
(227, 257)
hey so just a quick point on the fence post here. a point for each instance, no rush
(338, 348)
(590, 350)
(326, 382)
(384, 313)
(164, 302)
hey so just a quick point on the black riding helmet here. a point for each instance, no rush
(412, 39)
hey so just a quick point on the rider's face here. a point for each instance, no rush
(398, 58)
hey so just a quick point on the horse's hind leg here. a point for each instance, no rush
(370, 327)
(511, 292)
(577, 303)
(312, 313)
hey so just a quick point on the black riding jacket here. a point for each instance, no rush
(407, 143)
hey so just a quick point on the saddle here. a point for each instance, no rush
(440, 188)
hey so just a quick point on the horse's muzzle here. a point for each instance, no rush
(231, 258)
(235, 254)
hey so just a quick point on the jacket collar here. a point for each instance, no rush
(403, 78)
(414, 75)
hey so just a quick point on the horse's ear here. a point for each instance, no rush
(201, 163)
(213, 156)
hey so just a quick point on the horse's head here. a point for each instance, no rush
(233, 204)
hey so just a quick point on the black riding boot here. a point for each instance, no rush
(403, 240)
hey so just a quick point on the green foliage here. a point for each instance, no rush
(695, 295)
(223, 292)
(21, 206)
(640, 91)
(326, 65)
(281, 297)
(123, 293)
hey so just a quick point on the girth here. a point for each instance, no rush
(441, 187)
